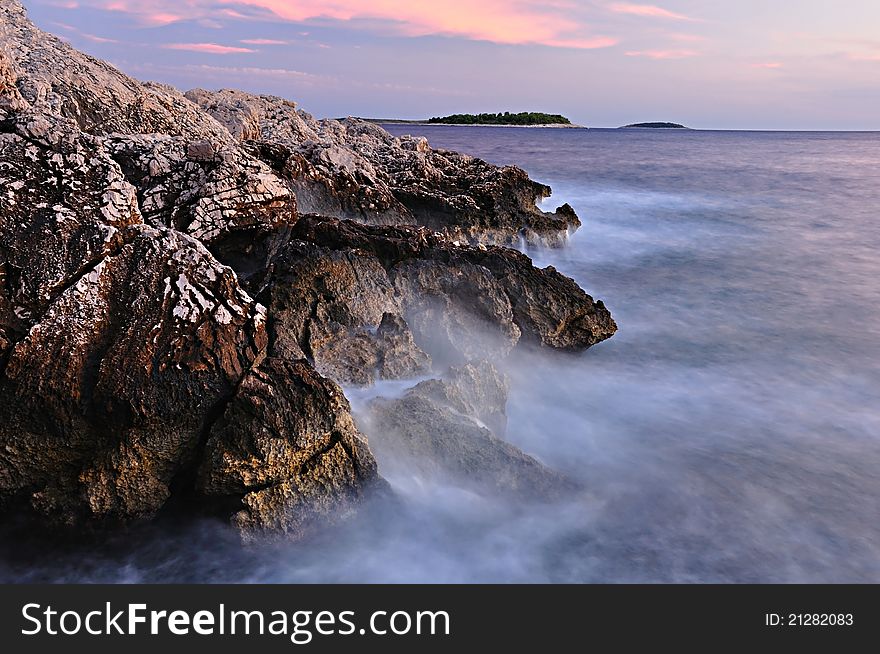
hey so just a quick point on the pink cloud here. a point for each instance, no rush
(649, 11)
(231, 13)
(687, 38)
(96, 39)
(84, 35)
(210, 48)
(768, 64)
(662, 54)
(264, 42)
(583, 44)
(499, 21)
(146, 12)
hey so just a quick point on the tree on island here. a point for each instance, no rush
(506, 118)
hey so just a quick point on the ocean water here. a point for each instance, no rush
(729, 432)
(731, 429)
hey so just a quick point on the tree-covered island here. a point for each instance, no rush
(506, 118)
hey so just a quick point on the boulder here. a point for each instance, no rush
(476, 295)
(105, 400)
(437, 431)
(287, 450)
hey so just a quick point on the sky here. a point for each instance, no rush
(732, 64)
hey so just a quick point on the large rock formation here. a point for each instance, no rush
(355, 169)
(173, 323)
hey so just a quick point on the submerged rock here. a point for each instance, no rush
(445, 429)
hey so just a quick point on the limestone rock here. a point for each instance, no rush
(224, 197)
(494, 291)
(286, 444)
(105, 399)
(339, 309)
(354, 169)
(123, 340)
(63, 202)
(56, 78)
(10, 99)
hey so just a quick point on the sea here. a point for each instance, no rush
(729, 431)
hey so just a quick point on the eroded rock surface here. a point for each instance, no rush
(473, 296)
(56, 78)
(286, 444)
(124, 343)
(106, 397)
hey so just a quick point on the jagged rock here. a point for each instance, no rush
(286, 444)
(335, 281)
(355, 169)
(224, 198)
(399, 356)
(121, 343)
(58, 79)
(200, 151)
(10, 99)
(189, 171)
(331, 305)
(476, 389)
(457, 312)
(63, 202)
(133, 345)
(436, 429)
(496, 288)
(549, 308)
(327, 176)
(105, 400)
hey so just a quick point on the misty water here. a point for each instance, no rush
(729, 432)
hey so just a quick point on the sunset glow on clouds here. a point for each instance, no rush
(264, 42)
(560, 23)
(500, 21)
(651, 11)
(747, 63)
(212, 48)
(662, 54)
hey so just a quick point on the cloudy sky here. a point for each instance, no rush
(735, 64)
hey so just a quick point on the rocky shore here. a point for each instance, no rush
(186, 279)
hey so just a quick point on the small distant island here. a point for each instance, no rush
(506, 118)
(654, 126)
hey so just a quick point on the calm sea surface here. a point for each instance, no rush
(732, 427)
